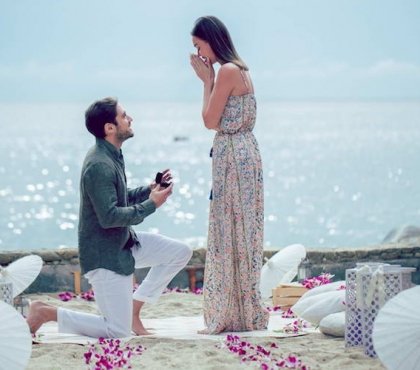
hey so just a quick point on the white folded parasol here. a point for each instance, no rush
(15, 339)
(22, 272)
(281, 268)
(396, 331)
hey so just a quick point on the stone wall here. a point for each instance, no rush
(59, 265)
(338, 260)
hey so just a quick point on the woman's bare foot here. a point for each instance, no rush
(138, 328)
(203, 331)
(40, 313)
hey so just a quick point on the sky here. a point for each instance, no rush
(79, 50)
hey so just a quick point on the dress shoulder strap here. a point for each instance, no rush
(244, 80)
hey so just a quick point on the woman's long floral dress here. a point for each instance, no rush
(232, 300)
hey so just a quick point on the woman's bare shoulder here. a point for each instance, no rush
(229, 67)
(229, 71)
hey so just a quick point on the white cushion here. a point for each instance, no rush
(315, 308)
(334, 324)
(324, 288)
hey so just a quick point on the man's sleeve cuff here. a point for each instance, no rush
(149, 207)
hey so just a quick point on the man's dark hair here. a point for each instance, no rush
(99, 113)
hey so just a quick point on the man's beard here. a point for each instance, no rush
(124, 136)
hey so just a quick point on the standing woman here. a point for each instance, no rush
(236, 222)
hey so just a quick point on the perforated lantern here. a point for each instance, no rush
(6, 291)
(304, 270)
(22, 305)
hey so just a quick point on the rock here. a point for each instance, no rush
(402, 233)
(198, 257)
(68, 253)
(7, 257)
(334, 324)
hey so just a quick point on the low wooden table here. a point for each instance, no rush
(192, 275)
(76, 281)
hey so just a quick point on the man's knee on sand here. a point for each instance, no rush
(119, 330)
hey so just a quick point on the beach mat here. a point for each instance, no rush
(179, 328)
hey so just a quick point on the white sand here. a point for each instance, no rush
(316, 350)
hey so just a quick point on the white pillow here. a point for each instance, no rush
(315, 308)
(334, 324)
(306, 301)
(324, 288)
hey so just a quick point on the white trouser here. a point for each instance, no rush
(114, 293)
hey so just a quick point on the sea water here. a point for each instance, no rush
(336, 173)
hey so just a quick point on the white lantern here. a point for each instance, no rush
(304, 270)
(21, 305)
(6, 291)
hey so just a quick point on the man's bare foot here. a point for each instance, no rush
(138, 327)
(136, 324)
(40, 313)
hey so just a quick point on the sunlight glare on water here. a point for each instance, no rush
(336, 174)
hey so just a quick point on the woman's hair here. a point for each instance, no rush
(213, 31)
(98, 114)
